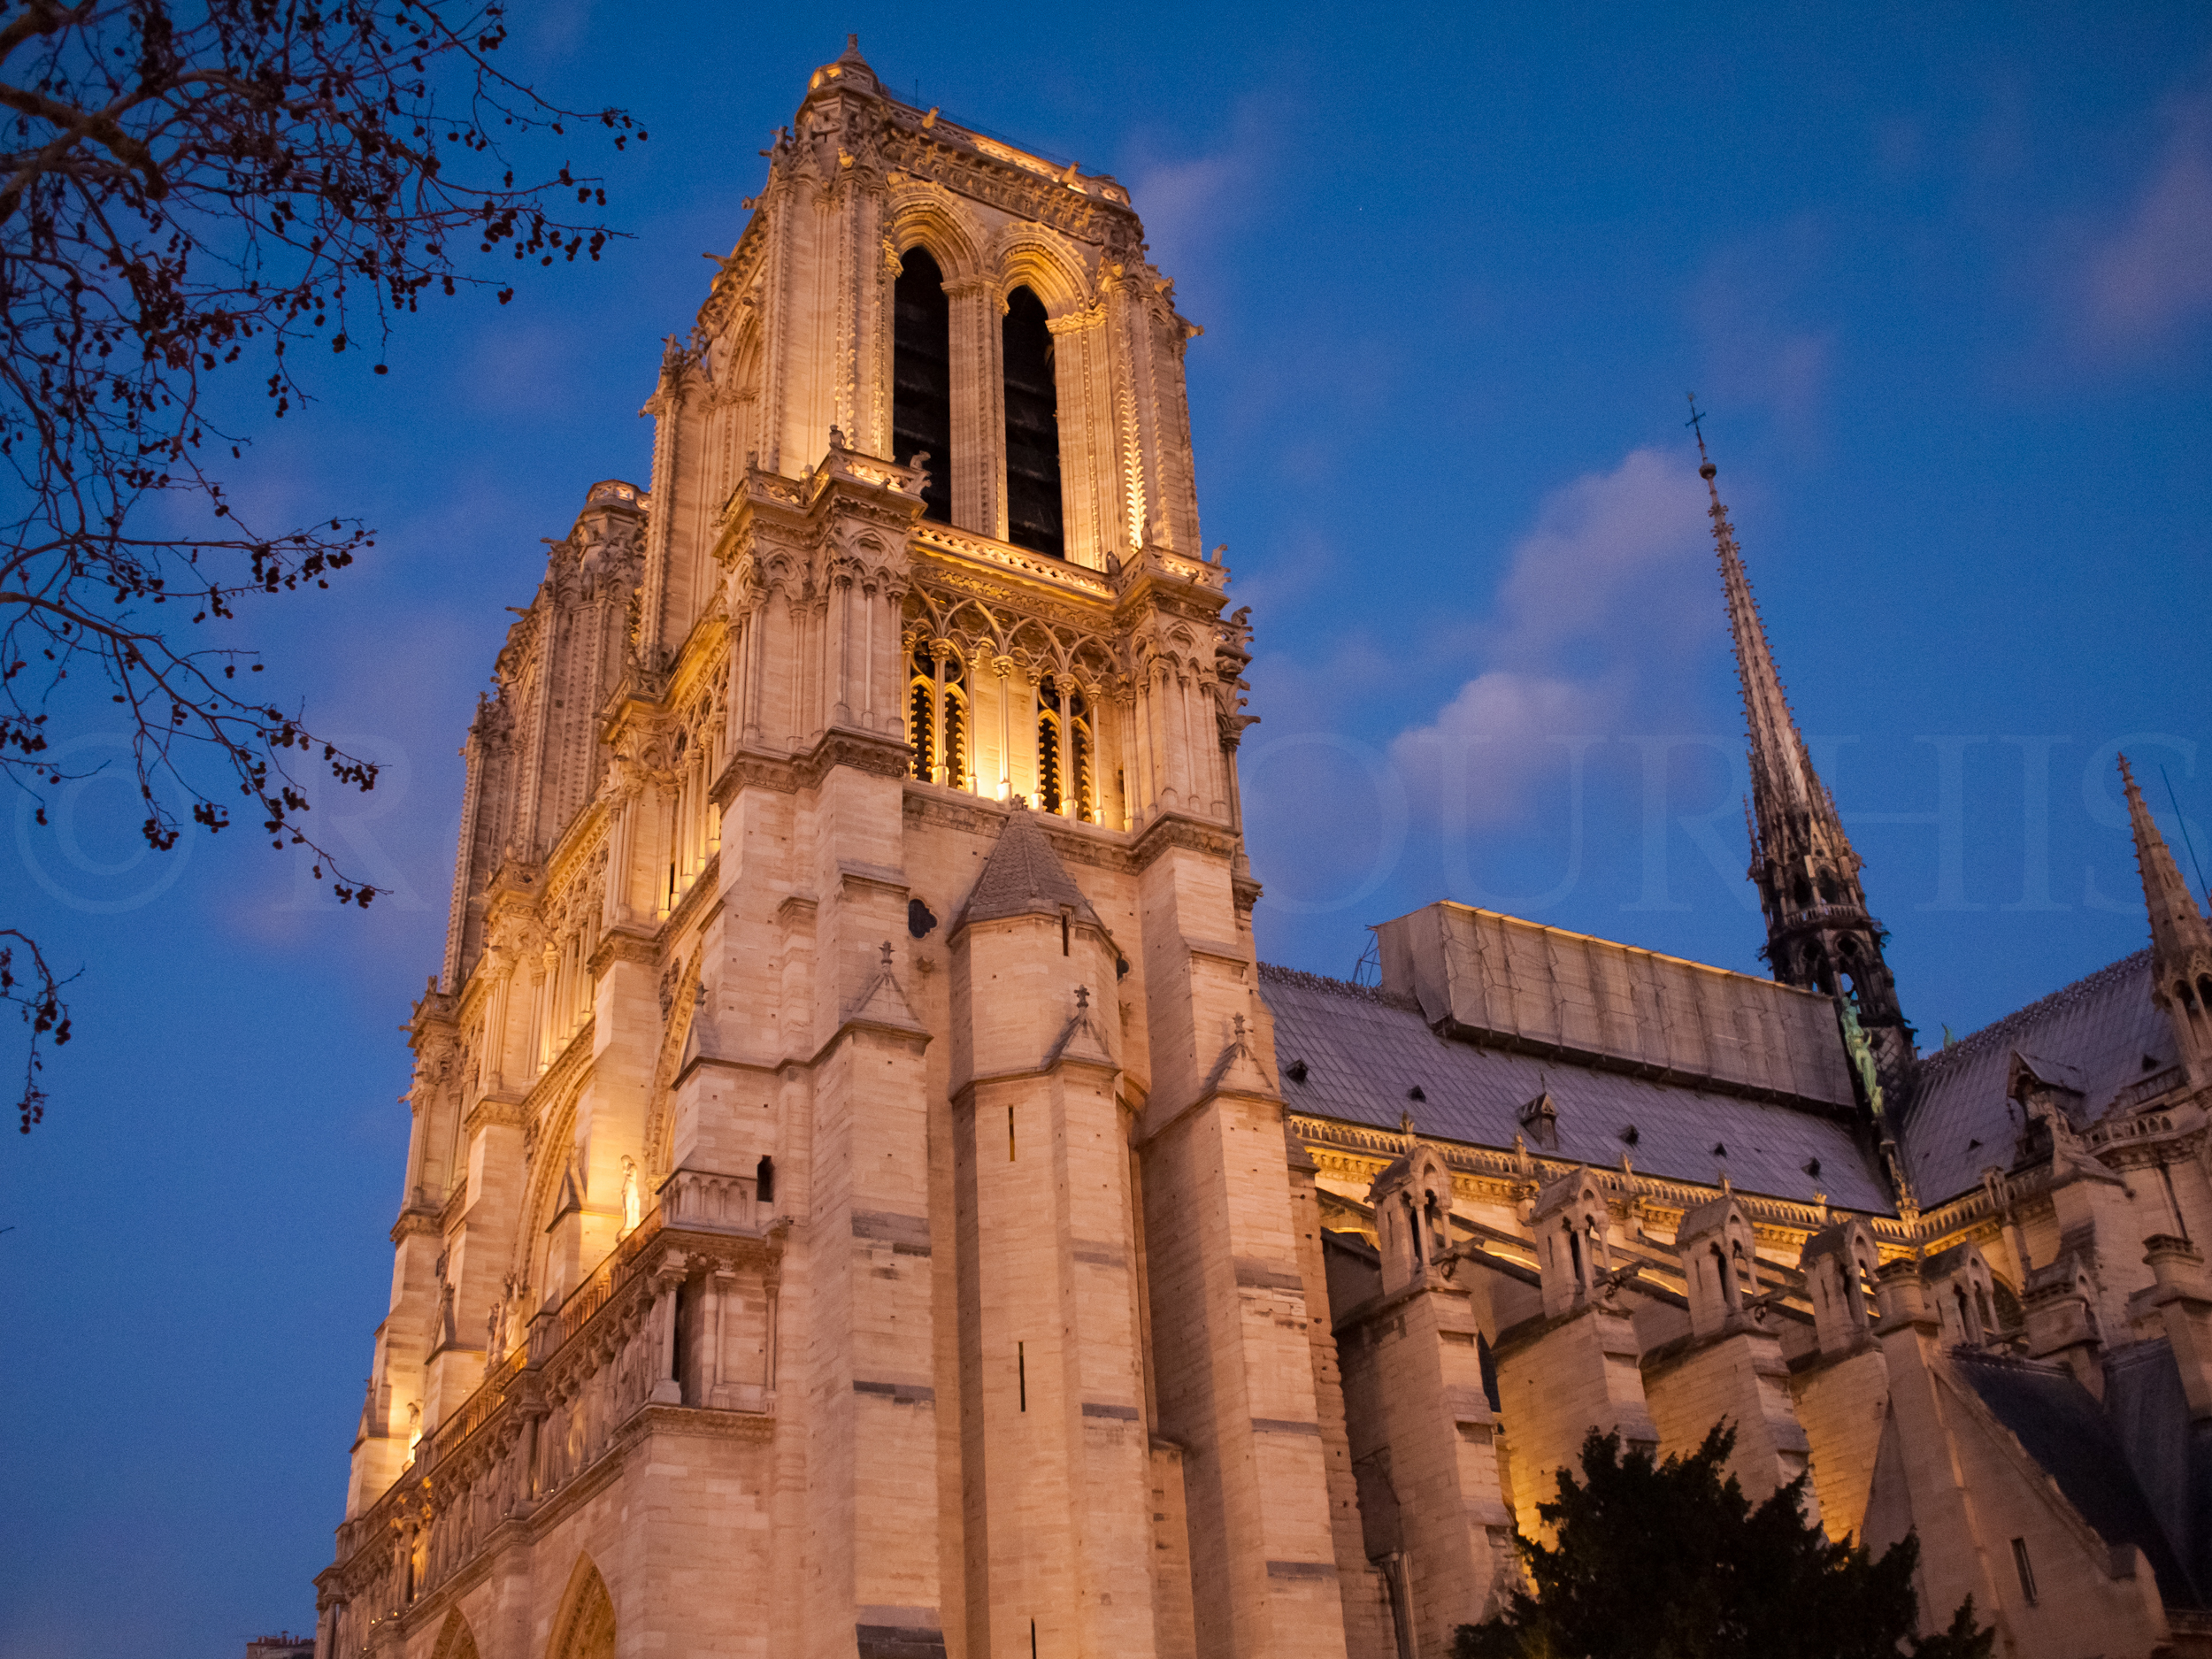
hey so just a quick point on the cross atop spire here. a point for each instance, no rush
(1819, 935)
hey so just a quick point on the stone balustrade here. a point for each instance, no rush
(696, 1199)
(577, 1389)
(1039, 566)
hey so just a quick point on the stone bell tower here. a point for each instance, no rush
(849, 1114)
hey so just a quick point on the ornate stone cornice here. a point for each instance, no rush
(1188, 588)
(1013, 573)
(1077, 322)
(1175, 829)
(705, 1250)
(768, 513)
(496, 1107)
(1078, 842)
(700, 1423)
(1087, 844)
(926, 804)
(948, 586)
(436, 1015)
(626, 944)
(752, 769)
(1003, 177)
(1355, 1151)
(863, 751)
(883, 757)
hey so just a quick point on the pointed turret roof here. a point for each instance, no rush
(2177, 926)
(849, 69)
(1024, 877)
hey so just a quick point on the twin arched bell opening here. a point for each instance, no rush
(922, 422)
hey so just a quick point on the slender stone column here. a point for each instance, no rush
(1063, 761)
(668, 1388)
(1003, 668)
(978, 442)
(1126, 740)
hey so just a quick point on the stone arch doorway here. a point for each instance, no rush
(585, 1626)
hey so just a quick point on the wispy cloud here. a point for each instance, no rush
(2152, 271)
(1754, 346)
(1192, 201)
(1586, 635)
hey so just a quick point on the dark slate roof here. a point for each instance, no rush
(2097, 1029)
(1365, 1049)
(2064, 1429)
(2170, 1453)
(1023, 877)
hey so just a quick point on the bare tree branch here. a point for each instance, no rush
(181, 190)
(35, 991)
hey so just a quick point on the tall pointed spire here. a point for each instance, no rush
(1779, 765)
(2181, 939)
(2177, 926)
(1819, 935)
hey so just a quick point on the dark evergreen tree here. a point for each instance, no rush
(1670, 1560)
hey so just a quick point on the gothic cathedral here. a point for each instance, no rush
(867, 1198)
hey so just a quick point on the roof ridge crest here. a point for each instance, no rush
(1976, 1042)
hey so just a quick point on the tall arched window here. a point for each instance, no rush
(1066, 750)
(1033, 428)
(921, 378)
(937, 715)
(1048, 795)
(1080, 756)
(952, 720)
(921, 713)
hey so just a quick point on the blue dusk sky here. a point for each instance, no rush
(1942, 276)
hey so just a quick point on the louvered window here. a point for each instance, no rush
(1049, 759)
(937, 717)
(1080, 757)
(921, 723)
(1033, 429)
(952, 743)
(921, 378)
